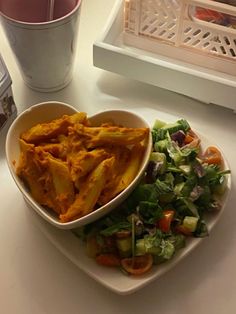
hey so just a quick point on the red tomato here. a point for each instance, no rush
(137, 265)
(108, 259)
(191, 139)
(212, 156)
(165, 222)
(188, 139)
(182, 229)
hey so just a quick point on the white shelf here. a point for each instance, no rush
(112, 54)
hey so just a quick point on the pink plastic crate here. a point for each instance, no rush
(172, 28)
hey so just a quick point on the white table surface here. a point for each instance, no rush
(35, 278)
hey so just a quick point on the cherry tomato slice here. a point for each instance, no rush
(165, 222)
(137, 265)
(212, 156)
(108, 259)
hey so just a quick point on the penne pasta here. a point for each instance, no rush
(84, 162)
(126, 175)
(89, 193)
(45, 131)
(73, 168)
(62, 183)
(98, 136)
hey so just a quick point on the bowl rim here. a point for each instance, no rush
(112, 204)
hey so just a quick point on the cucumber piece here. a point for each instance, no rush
(172, 127)
(178, 188)
(159, 157)
(124, 246)
(161, 146)
(142, 249)
(190, 223)
(186, 169)
(181, 124)
(158, 124)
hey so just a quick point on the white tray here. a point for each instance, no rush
(112, 54)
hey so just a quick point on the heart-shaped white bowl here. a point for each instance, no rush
(47, 111)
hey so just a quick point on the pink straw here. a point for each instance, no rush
(50, 10)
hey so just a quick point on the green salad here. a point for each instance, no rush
(181, 184)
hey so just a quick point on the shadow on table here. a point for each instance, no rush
(141, 95)
(3, 135)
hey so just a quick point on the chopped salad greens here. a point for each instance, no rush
(181, 184)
